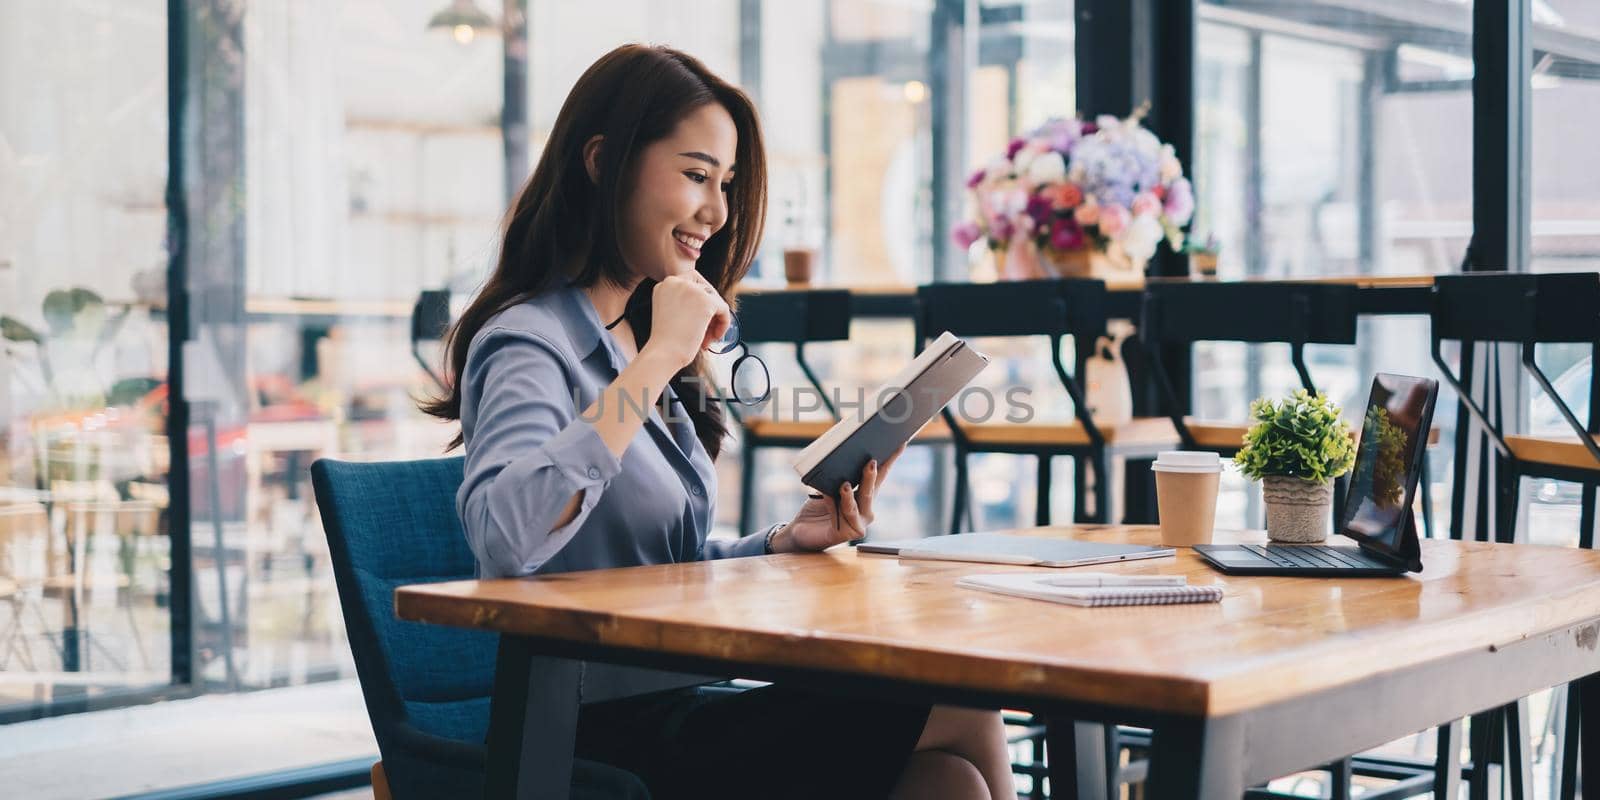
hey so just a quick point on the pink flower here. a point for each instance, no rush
(1180, 202)
(976, 178)
(965, 234)
(1088, 213)
(1066, 235)
(1016, 144)
(1065, 196)
(1113, 219)
(1000, 230)
(1146, 203)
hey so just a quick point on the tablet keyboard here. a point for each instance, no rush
(1301, 556)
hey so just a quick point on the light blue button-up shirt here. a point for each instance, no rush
(530, 372)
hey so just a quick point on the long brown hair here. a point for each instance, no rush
(565, 225)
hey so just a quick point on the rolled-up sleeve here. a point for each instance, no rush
(528, 452)
(753, 545)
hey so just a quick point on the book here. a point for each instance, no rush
(898, 409)
(1045, 586)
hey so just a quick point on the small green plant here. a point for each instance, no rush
(1301, 437)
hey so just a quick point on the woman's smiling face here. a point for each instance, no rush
(679, 196)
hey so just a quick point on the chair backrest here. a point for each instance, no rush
(1517, 307)
(1253, 312)
(794, 316)
(390, 524)
(1052, 307)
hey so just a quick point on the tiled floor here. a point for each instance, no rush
(184, 742)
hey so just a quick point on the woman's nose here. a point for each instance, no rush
(714, 212)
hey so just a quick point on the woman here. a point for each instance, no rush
(590, 439)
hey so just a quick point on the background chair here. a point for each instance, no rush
(1526, 310)
(1053, 309)
(798, 318)
(426, 688)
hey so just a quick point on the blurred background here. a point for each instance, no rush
(246, 198)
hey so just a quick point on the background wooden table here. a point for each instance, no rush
(1283, 674)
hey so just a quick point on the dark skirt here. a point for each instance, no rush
(772, 741)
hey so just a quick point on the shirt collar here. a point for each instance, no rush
(584, 327)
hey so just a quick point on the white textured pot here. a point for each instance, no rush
(1298, 511)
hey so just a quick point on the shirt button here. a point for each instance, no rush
(594, 472)
(696, 491)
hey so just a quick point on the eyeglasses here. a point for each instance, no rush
(751, 382)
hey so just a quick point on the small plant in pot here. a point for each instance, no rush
(1296, 448)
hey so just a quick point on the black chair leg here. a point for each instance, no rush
(1447, 762)
(1041, 506)
(1586, 516)
(959, 506)
(1426, 482)
(1483, 752)
(1102, 487)
(747, 485)
(1080, 490)
(1339, 779)
(1519, 751)
(1569, 745)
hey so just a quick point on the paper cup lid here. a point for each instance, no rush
(1187, 461)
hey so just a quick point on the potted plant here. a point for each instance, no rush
(1296, 448)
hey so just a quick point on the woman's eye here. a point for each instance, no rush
(695, 176)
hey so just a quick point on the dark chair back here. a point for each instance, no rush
(1288, 312)
(426, 687)
(1051, 307)
(1256, 313)
(1517, 307)
(797, 317)
(1525, 309)
(794, 316)
(1047, 307)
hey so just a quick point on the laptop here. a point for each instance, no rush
(1377, 514)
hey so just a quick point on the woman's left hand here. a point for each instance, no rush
(821, 525)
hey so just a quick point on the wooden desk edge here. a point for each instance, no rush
(976, 671)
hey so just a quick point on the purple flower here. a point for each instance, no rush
(1039, 207)
(1016, 144)
(965, 234)
(976, 178)
(1090, 127)
(1066, 235)
(1179, 204)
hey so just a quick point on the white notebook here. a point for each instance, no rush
(1045, 586)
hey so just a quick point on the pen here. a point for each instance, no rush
(1105, 579)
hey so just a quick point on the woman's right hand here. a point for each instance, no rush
(689, 316)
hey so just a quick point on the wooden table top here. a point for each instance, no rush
(1136, 284)
(1270, 639)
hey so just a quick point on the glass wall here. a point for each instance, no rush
(1331, 141)
(1566, 230)
(84, 536)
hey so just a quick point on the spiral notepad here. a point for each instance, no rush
(1037, 587)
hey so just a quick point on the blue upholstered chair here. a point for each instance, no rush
(426, 687)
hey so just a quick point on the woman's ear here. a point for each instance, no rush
(591, 157)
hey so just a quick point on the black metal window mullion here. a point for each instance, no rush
(180, 579)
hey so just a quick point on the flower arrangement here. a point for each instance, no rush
(1301, 437)
(1071, 185)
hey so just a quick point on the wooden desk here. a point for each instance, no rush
(1283, 675)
